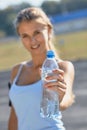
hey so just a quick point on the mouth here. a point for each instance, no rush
(35, 46)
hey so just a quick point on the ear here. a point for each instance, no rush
(49, 33)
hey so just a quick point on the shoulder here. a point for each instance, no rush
(14, 71)
(16, 67)
(66, 66)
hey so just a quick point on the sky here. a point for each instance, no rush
(5, 3)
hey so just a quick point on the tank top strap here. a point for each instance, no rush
(19, 71)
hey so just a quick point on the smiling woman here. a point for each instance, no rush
(32, 35)
(36, 33)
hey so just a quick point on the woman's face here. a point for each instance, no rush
(35, 36)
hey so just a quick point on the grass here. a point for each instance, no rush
(70, 46)
(11, 53)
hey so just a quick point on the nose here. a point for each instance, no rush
(32, 40)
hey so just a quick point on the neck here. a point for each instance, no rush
(37, 61)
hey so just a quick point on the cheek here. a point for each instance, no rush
(25, 44)
(25, 40)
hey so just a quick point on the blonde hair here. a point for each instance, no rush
(33, 13)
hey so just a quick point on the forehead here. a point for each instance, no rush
(30, 26)
(36, 23)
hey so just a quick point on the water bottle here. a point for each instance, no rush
(49, 106)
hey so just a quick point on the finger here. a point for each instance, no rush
(52, 77)
(60, 78)
(58, 71)
(56, 77)
(56, 83)
(60, 90)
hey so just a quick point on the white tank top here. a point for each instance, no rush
(26, 102)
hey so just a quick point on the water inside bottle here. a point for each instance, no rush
(50, 110)
(49, 105)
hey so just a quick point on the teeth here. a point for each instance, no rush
(35, 46)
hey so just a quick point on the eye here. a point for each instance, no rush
(37, 32)
(24, 36)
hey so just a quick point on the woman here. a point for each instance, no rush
(35, 31)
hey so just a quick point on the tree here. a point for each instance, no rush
(7, 17)
(64, 6)
(51, 7)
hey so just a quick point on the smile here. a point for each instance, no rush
(35, 46)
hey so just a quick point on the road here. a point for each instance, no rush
(75, 117)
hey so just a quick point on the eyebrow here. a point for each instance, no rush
(38, 29)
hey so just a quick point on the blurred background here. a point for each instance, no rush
(69, 19)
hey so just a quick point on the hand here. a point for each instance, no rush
(59, 85)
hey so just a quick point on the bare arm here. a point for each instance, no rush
(12, 123)
(68, 98)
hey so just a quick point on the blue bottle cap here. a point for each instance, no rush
(50, 54)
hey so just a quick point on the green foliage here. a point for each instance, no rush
(54, 7)
(7, 17)
(63, 6)
(5, 21)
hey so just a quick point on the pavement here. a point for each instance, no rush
(74, 118)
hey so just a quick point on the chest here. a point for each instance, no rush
(27, 77)
(28, 96)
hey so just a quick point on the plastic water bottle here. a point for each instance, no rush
(49, 104)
